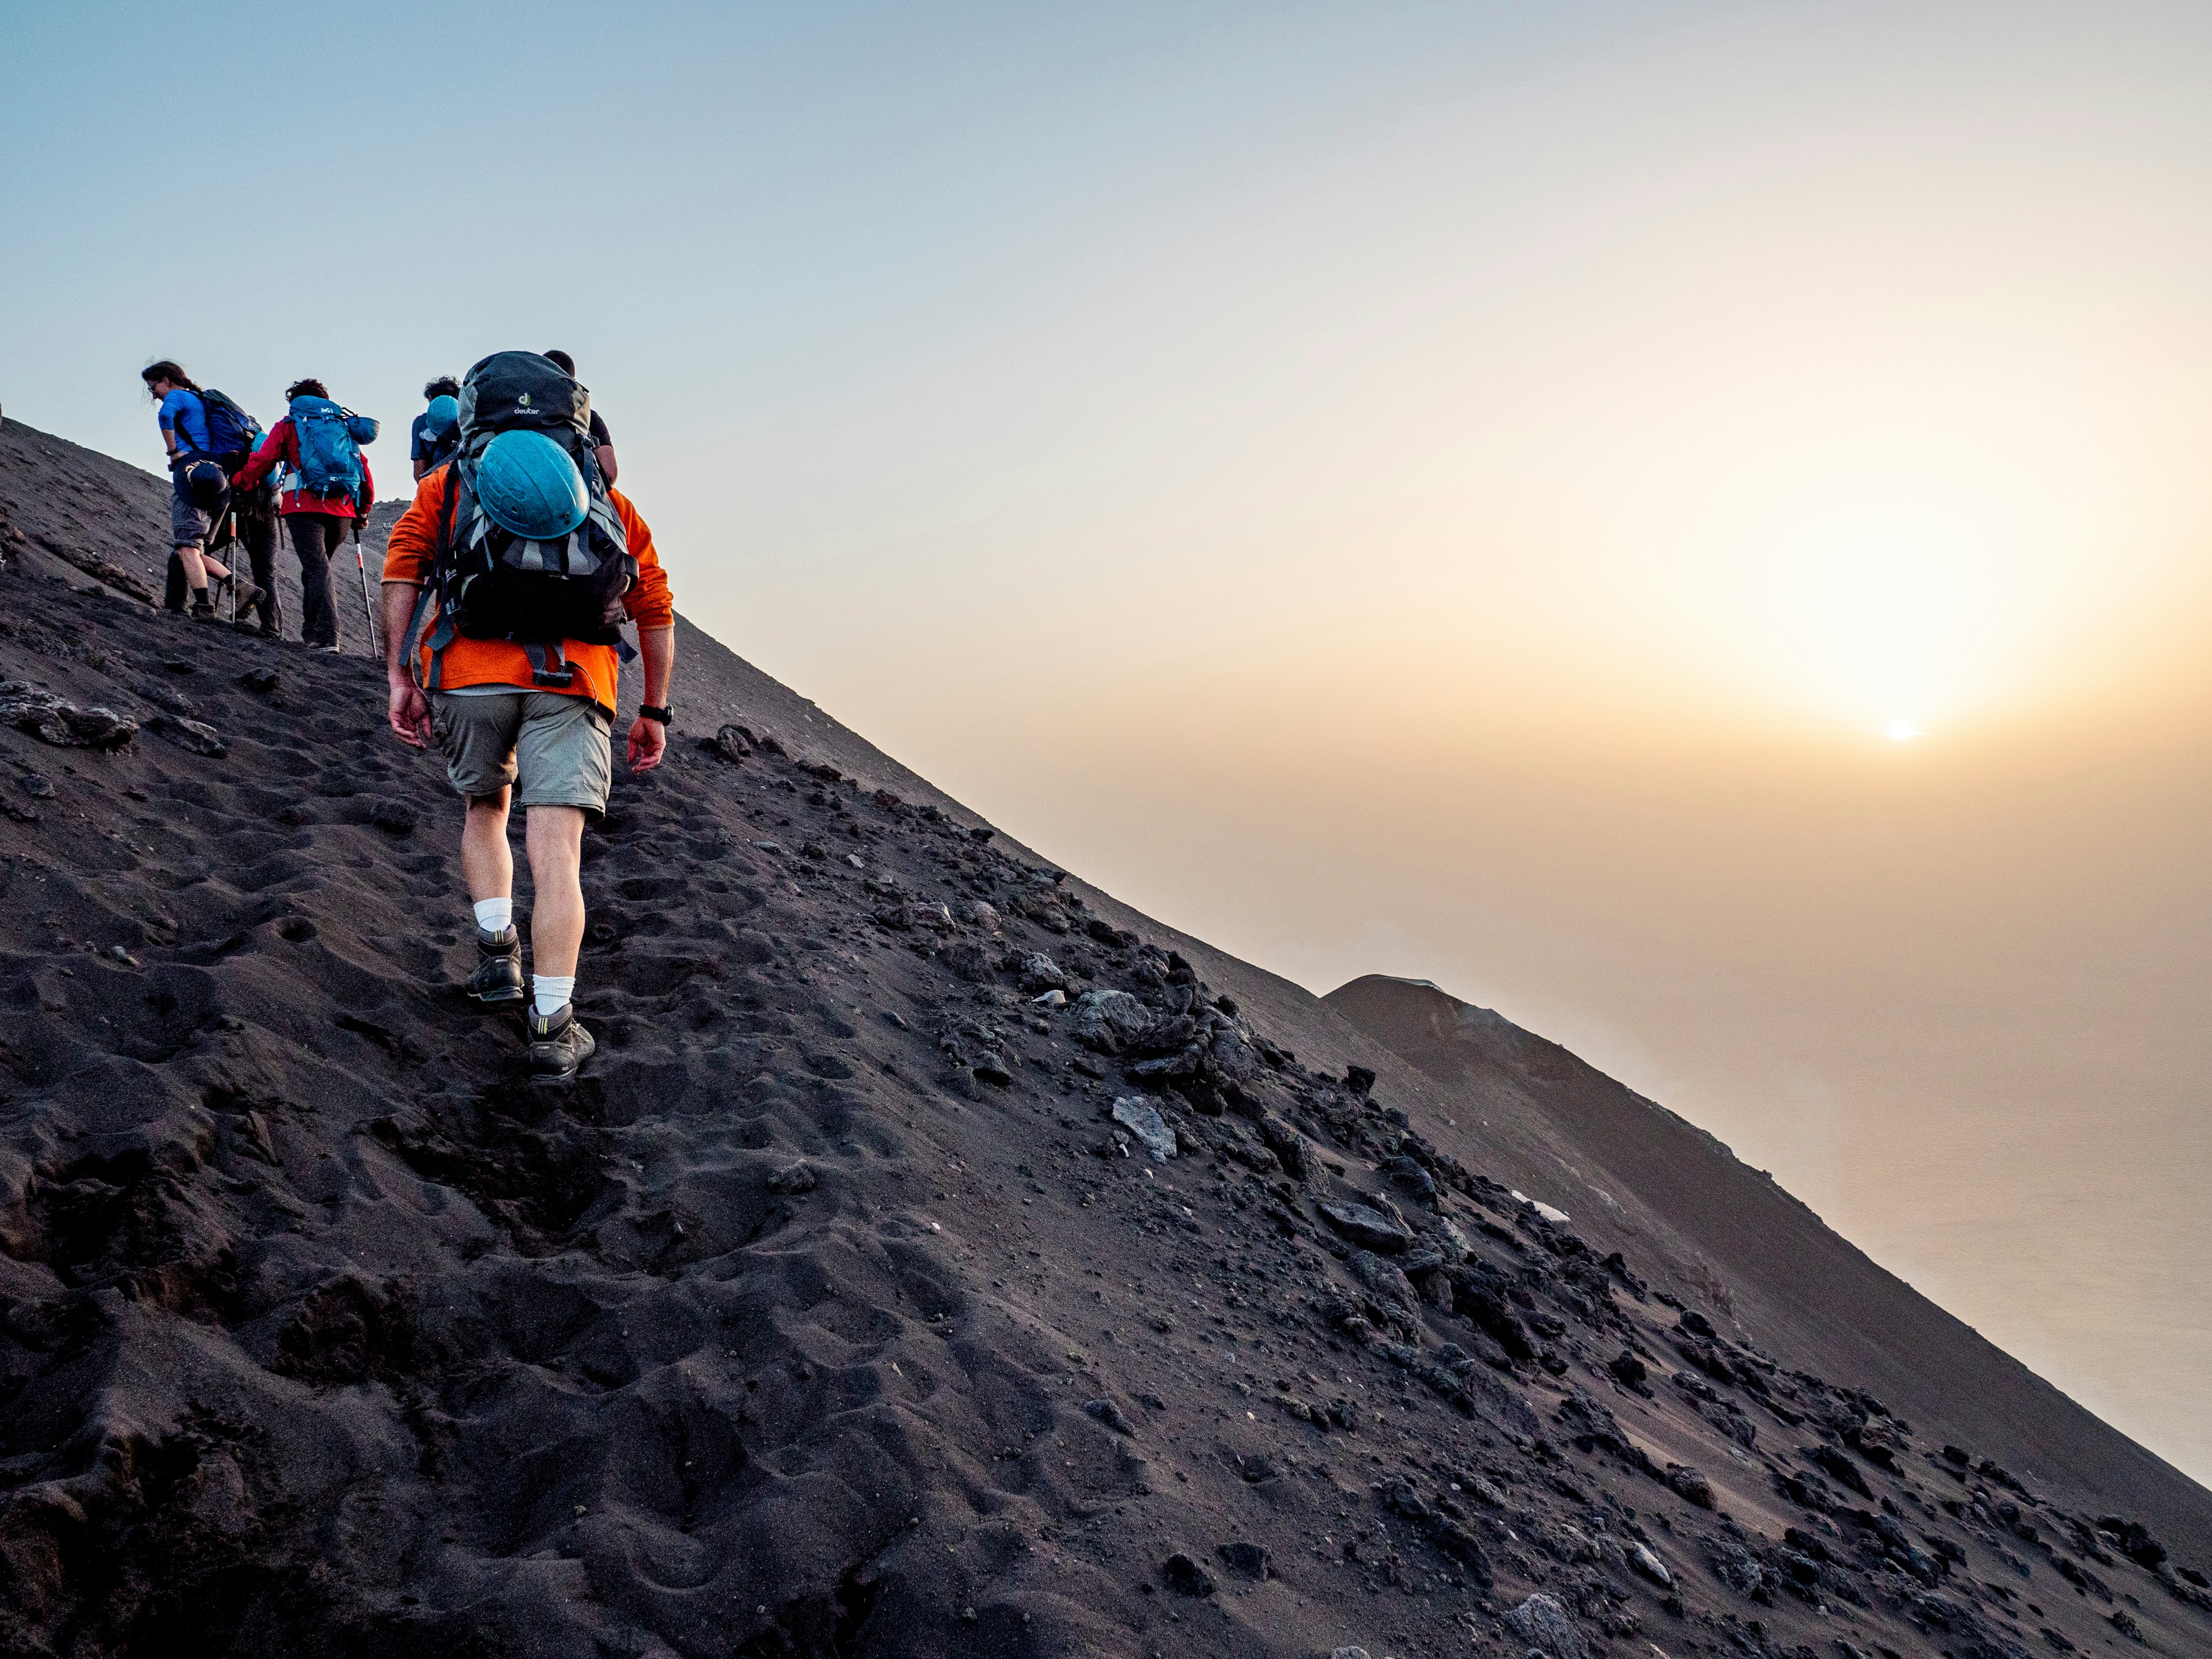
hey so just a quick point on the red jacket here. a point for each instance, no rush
(283, 444)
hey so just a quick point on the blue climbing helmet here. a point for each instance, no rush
(443, 415)
(528, 487)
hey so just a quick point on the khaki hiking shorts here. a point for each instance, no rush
(555, 747)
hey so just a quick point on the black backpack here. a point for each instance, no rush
(231, 433)
(490, 584)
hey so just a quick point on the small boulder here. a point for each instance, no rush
(1641, 1558)
(1245, 1559)
(1039, 974)
(1542, 1622)
(799, 1178)
(1105, 1411)
(967, 959)
(1142, 1119)
(1690, 1485)
(1104, 1020)
(1366, 1226)
(1185, 1576)
(394, 818)
(1385, 1280)
(64, 725)
(194, 736)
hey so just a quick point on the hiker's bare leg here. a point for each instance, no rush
(555, 837)
(195, 563)
(487, 861)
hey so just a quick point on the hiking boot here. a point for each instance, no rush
(498, 977)
(558, 1043)
(204, 609)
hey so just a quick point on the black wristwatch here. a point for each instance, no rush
(647, 712)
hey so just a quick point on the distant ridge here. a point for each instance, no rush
(1790, 1281)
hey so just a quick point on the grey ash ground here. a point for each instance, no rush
(847, 1306)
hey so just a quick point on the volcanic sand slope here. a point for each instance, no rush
(830, 1312)
(1644, 1177)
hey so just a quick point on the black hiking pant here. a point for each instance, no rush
(315, 537)
(256, 530)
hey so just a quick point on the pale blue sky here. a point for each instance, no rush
(1457, 490)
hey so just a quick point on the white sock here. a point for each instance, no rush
(549, 991)
(496, 915)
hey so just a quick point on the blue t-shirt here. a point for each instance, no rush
(184, 414)
(417, 446)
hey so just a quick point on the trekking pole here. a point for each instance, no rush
(214, 539)
(366, 609)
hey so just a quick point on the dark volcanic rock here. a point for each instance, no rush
(1246, 1560)
(1106, 1020)
(195, 736)
(51, 719)
(1110, 1414)
(1364, 1225)
(1544, 1624)
(1185, 1576)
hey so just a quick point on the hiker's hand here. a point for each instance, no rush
(411, 715)
(648, 742)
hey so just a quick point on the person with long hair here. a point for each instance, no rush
(199, 490)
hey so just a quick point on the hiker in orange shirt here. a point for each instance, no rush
(522, 566)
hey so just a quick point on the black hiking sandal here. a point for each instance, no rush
(558, 1044)
(498, 977)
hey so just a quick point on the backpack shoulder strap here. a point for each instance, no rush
(434, 591)
(449, 514)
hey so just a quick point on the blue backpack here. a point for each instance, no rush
(329, 439)
(231, 430)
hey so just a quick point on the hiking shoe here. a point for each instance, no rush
(558, 1043)
(498, 977)
(204, 610)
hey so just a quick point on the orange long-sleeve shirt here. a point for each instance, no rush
(413, 551)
